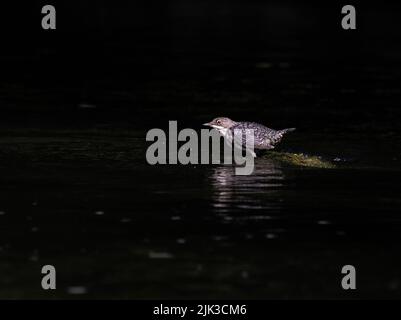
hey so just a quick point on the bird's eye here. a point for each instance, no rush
(218, 121)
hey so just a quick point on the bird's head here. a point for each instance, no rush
(220, 123)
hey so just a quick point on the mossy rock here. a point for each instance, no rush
(299, 159)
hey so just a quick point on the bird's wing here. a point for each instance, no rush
(243, 129)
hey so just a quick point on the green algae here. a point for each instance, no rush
(300, 160)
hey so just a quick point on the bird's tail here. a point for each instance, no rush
(286, 130)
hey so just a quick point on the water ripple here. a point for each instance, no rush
(247, 194)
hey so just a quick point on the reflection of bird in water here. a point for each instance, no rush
(264, 138)
(261, 190)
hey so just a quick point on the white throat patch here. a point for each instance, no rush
(223, 131)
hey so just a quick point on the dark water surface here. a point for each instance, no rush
(86, 202)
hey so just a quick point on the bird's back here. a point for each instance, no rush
(264, 137)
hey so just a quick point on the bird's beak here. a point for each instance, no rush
(207, 124)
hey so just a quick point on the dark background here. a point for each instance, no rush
(149, 48)
(76, 191)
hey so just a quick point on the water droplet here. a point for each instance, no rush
(323, 222)
(219, 238)
(160, 255)
(394, 284)
(270, 236)
(263, 65)
(284, 65)
(34, 256)
(77, 290)
(99, 213)
(181, 241)
(86, 106)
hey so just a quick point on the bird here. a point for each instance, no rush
(264, 137)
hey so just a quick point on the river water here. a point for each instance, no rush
(77, 193)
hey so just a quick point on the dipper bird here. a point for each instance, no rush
(264, 137)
